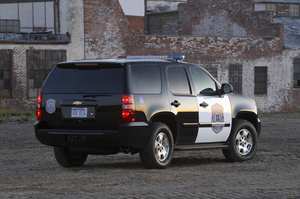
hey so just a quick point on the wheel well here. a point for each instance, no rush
(169, 121)
(251, 117)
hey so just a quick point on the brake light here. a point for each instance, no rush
(128, 108)
(38, 108)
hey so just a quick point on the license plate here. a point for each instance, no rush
(79, 112)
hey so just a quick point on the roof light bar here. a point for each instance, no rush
(177, 57)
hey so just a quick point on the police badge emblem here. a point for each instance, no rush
(217, 118)
(50, 106)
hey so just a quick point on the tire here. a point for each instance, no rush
(242, 142)
(67, 159)
(158, 151)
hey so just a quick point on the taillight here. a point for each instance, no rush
(128, 108)
(38, 108)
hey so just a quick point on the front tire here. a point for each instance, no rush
(158, 151)
(67, 159)
(242, 142)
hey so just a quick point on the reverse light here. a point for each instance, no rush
(177, 57)
(128, 110)
(38, 108)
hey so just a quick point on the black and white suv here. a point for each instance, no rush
(146, 106)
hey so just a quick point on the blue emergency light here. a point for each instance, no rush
(176, 57)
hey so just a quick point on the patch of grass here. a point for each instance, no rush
(19, 114)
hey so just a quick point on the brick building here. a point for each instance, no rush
(236, 43)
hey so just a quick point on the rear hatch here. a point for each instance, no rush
(83, 96)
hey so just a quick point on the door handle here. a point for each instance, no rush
(175, 103)
(203, 104)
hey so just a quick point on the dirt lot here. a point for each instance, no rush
(29, 170)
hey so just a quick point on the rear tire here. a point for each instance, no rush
(242, 142)
(158, 151)
(67, 159)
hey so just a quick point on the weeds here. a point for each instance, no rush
(21, 114)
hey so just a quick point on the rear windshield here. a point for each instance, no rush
(79, 80)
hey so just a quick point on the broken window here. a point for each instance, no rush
(260, 80)
(6, 73)
(297, 73)
(40, 63)
(294, 10)
(271, 7)
(29, 16)
(236, 77)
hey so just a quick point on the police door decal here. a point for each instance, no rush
(214, 119)
(217, 118)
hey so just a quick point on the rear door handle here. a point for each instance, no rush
(175, 103)
(203, 104)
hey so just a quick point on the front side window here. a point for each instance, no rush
(178, 81)
(40, 63)
(204, 85)
(297, 73)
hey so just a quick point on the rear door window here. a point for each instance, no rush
(178, 81)
(81, 80)
(146, 78)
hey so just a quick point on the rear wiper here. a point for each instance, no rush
(96, 95)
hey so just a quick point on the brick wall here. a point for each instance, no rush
(136, 24)
(105, 27)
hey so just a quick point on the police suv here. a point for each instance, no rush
(135, 104)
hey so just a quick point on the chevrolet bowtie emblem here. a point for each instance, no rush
(77, 103)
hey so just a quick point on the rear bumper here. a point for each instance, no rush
(132, 135)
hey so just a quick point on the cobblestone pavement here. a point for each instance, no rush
(28, 169)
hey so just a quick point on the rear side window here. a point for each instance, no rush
(146, 79)
(80, 80)
(178, 81)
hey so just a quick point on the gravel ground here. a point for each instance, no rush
(28, 169)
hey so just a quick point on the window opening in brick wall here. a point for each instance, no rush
(297, 73)
(7, 25)
(236, 77)
(271, 7)
(212, 69)
(294, 10)
(40, 63)
(5, 73)
(260, 80)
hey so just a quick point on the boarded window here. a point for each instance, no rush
(294, 10)
(40, 63)
(297, 73)
(260, 80)
(7, 25)
(212, 69)
(5, 73)
(271, 7)
(236, 77)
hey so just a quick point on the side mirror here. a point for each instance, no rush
(226, 88)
